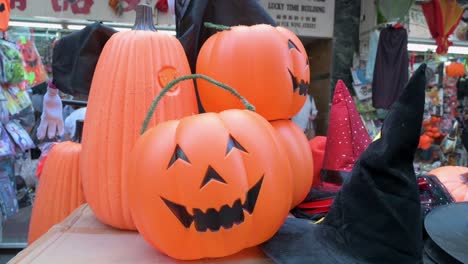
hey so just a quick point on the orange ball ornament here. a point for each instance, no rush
(209, 185)
(267, 65)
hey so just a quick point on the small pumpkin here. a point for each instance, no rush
(268, 65)
(299, 155)
(60, 190)
(132, 69)
(455, 179)
(209, 185)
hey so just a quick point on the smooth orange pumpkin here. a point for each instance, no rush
(299, 155)
(267, 65)
(209, 185)
(455, 179)
(60, 189)
(132, 69)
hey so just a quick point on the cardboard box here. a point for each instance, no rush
(82, 238)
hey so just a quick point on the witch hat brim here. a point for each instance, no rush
(448, 233)
(376, 216)
(75, 58)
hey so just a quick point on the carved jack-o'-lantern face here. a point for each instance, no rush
(267, 65)
(4, 14)
(209, 185)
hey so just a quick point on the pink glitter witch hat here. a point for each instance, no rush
(347, 137)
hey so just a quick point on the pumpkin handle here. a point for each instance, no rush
(216, 26)
(247, 105)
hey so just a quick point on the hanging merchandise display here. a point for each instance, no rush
(391, 67)
(11, 63)
(35, 72)
(442, 17)
(184, 193)
(60, 190)
(132, 69)
(277, 85)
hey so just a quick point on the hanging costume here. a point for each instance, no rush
(391, 67)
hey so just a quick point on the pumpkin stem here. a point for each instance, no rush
(144, 18)
(216, 26)
(169, 86)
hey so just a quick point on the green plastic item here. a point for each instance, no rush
(394, 10)
(12, 63)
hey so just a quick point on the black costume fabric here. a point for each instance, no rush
(391, 67)
(376, 217)
(75, 58)
(191, 16)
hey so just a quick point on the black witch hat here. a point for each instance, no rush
(376, 217)
(75, 58)
(447, 231)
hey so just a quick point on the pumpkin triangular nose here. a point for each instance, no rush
(211, 174)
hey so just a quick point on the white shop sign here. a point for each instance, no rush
(81, 10)
(307, 18)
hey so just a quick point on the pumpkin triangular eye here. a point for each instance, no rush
(291, 45)
(232, 143)
(178, 154)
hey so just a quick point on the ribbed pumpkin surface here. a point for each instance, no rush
(60, 190)
(455, 179)
(132, 69)
(300, 157)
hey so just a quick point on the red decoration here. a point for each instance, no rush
(442, 17)
(317, 146)
(347, 137)
(80, 7)
(162, 6)
(22, 4)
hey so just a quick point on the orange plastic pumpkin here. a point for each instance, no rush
(60, 189)
(455, 179)
(209, 185)
(299, 155)
(4, 14)
(268, 65)
(131, 71)
(455, 69)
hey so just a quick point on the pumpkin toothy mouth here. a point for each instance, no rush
(302, 86)
(226, 217)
